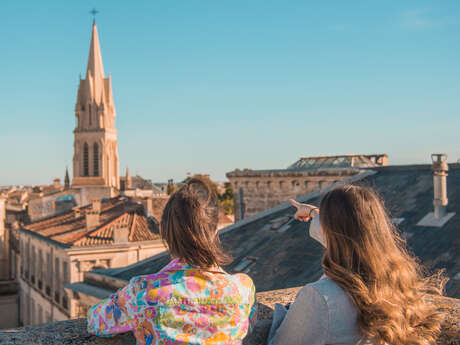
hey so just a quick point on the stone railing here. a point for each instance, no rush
(73, 332)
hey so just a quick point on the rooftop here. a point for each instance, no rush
(276, 251)
(70, 228)
(350, 162)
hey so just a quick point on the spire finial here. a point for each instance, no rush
(94, 12)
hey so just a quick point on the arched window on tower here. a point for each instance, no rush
(85, 160)
(96, 159)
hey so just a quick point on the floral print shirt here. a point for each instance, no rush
(179, 305)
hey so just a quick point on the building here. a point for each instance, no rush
(277, 252)
(258, 190)
(8, 287)
(58, 250)
(95, 160)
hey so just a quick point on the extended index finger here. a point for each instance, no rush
(294, 203)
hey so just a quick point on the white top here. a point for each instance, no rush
(321, 314)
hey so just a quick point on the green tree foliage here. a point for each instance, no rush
(226, 199)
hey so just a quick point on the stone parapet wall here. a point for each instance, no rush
(256, 191)
(73, 332)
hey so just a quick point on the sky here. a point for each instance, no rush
(207, 86)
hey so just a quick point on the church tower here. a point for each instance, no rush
(95, 160)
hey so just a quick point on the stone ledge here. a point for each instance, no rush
(73, 332)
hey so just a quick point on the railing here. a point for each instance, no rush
(74, 332)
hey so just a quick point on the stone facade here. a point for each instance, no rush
(258, 190)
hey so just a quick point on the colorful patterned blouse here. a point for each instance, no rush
(179, 305)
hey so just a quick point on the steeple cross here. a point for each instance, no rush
(94, 12)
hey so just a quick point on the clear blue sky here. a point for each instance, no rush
(208, 86)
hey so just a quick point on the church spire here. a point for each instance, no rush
(66, 179)
(95, 68)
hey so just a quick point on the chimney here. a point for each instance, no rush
(93, 215)
(440, 169)
(121, 233)
(149, 207)
(77, 212)
(57, 183)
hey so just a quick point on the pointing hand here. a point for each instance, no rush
(304, 211)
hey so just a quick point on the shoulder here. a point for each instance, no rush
(328, 288)
(334, 296)
(310, 294)
(245, 286)
(244, 280)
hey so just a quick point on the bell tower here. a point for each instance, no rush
(95, 160)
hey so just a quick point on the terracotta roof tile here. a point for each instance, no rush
(70, 228)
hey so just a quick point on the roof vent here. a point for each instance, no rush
(245, 265)
(440, 216)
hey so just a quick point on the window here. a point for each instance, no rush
(85, 160)
(40, 269)
(65, 272)
(65, 301)
(96, 159)
(49, 273)
(27, 263)
(34, 265)
(57, 285)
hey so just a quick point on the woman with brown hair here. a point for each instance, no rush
(192, 300)
(372, 291)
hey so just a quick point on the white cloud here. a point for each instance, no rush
(418, 19)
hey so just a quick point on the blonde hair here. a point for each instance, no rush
(368, 258)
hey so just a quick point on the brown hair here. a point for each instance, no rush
(189, 223)
(367, 257)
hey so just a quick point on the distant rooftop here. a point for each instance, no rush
(340, 162)
(70, 228)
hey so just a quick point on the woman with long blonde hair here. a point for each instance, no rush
(372, 291)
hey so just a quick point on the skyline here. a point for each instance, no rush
(224, 88)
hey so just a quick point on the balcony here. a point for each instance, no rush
(74, 332)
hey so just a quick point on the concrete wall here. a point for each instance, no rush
(9, 311)
(74, 332)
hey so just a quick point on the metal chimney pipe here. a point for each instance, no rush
(440, 169)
